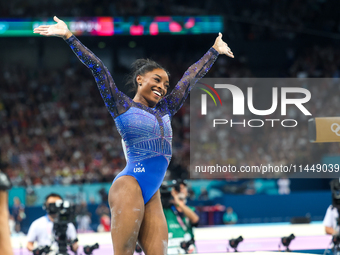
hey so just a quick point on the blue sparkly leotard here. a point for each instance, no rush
(146, 132)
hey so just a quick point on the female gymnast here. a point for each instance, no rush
(144, 124)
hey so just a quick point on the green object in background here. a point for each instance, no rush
(109, 26)
(177, 233)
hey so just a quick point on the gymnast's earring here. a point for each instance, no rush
(140, 84)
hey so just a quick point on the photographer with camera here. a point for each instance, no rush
(332, 220)
(332, 215)
(180, 218)
(54, 230)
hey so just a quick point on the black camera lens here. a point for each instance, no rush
(52, 208)
(89, 249)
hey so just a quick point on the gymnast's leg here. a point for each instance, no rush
(127, 210)
(153, 234)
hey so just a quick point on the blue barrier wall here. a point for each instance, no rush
(215, 188)
(249, 208)
(276, 208)
(272, 208)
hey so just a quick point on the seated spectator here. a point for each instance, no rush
(84, 222)
(230, 217)
(284, 186)
(105, 224)
(102, 209)
(83, 218)
(18, 212)
(204, 194)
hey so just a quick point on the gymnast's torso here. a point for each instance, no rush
(147, 137)
(146, 132)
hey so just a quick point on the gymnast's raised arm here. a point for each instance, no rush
(115, 101)
(196, 71)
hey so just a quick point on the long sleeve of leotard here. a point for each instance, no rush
(178, 95)
(116, 101)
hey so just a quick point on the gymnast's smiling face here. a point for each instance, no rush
(152, 87)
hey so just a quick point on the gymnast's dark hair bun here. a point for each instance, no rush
(139, 63)
(140, 67)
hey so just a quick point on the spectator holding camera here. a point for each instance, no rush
(180, 220)
(42, 232)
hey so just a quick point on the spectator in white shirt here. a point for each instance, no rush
(331, 218)
(330, 221)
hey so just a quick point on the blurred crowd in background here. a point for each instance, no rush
(55, 128)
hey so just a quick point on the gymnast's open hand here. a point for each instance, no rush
(222, 47)
(60, 29)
